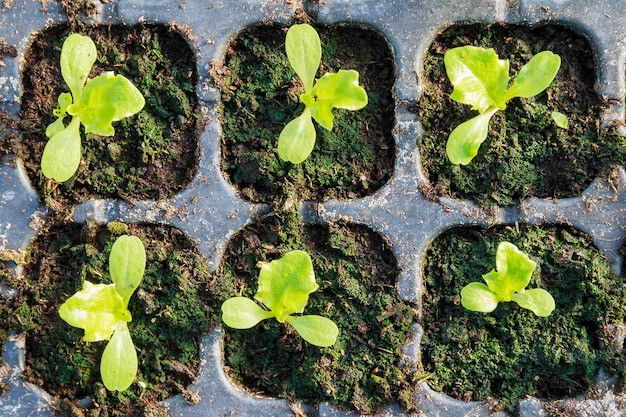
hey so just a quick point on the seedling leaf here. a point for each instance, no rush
(106, 99)
(243, 313)
(118, 366)
(297, 139)
(77, 57)
(537, 300)
(285, 284)
(560, 119)
(535, 76)
(465, 140)
(127, 263)
(61, 155)
(316, 330)
(304, 52)
(97, 309)
(476, 296)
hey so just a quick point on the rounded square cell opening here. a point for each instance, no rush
(356, 272)
(260, 95)
(153, 154)
(525, 153)
(511, 353)
(169, 316)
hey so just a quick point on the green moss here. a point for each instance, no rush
(511, 353)
(260, 96)
(525, 153)
(356, 272)
(169, 316)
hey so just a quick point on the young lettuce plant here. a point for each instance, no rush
(284, 288)
(508, 283)
(481, 80)
(102, 311)
(95, 103)
(340, 90)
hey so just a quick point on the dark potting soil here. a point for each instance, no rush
(153, 153)
(168, 311)
(525, 153)
(356, 272)
(510, 353)
(260, 95)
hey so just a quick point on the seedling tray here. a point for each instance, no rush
(211, 211)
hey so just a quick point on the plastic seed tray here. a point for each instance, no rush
(213, 211)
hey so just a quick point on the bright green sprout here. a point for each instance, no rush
(284, 288)
(95, 103)
(560, 119)
(340, 90)
(508, 283)
(481, 80)
(102, 311)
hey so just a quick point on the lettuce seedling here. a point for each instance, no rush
(560, 119)
(284, 288)
(102, 311)
(95, 103)
(481, 80)
(340, 90)
(508, 283)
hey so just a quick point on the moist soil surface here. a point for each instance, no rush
(525, 153)
(169, 317)
(153, 153)
(509, 354)
(260, 95)
(356, 272)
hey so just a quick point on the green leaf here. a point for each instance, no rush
(479, 78)
(514, 269)
(77, 57)
(106, 99)
(297, 139)
(118, 366)
(560, 119)
(465, 140)
(304, 52)
(316, 330)
(61, 156)
(476, 296)
(285, 284)
(537, 300)
(127, 263)
(97, 309)
(340, 90)
(243, 313)
(535, 76)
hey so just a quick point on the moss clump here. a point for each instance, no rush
(153, 154)
(169, 316)
(356, 272)
(260, 96)
(525, 153)
(511, 353)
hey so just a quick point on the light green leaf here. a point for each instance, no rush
(340, 90)
(476, 296)
(535, 76)
(560, 119)
(513, 271)
(243, 313)
(537, 300)
(55, 127)
(61, 156)
(118, 366)
(304, 52)
(77, 57)
(106, 99)
(285, 284)
(478, 76)
(297, 139)
(316, 330)
(127, 263)
(465, 140)
(97, 309)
